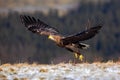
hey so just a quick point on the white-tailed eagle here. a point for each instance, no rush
(71, 42)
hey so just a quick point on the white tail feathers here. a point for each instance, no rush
(84, 46)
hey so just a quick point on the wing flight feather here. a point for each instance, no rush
(37, 26)
(85, 35)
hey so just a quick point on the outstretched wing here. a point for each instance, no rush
(85, 35)
(37, 26)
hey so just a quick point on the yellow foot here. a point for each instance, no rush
(76, 55)
(80, 57)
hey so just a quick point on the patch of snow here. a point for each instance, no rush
(83, 71)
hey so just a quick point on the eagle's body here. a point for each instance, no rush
(71, 43)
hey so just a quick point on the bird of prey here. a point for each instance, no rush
(71, 42)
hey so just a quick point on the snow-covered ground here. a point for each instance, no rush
(62, 71)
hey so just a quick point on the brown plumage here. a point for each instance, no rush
(71, 43)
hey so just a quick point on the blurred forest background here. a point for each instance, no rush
(17, 44)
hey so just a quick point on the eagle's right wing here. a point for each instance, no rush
(85, 35)
(37, 26)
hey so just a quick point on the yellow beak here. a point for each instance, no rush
(50, 37)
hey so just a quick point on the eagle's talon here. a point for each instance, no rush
(81, 57)
(76, 55)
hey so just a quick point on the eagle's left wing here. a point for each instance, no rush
(37, 26)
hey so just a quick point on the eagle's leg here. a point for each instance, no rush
(76, 55)
(79, 56)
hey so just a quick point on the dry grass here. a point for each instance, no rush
(62, 71)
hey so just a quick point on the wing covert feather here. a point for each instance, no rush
(85, 35)
(37, 26)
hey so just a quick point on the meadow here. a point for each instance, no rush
(61, 71)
